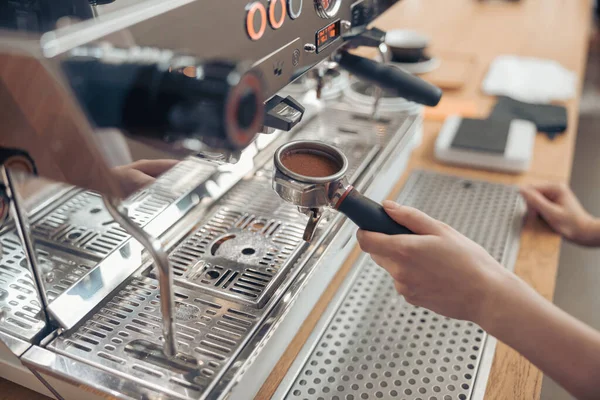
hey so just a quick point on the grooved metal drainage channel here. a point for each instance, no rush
(378, 346)
(19, 303)
(82, 223)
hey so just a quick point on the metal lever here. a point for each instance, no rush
(21, 221)
(165, 278)
(283, 113)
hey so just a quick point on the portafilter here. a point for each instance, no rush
(312, 176)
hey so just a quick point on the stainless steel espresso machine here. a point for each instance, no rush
(145, 254)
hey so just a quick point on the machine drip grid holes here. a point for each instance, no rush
(378, 346)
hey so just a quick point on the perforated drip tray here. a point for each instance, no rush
(83, 224)
(373, 345)
(20, 308)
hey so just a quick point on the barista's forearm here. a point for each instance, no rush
(564, 348)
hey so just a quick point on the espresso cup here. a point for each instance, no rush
(406, 46)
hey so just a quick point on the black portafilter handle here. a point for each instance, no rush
(401, 83)
(369, 215)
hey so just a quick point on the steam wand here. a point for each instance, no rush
(161, 259)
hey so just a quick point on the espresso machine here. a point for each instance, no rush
(145, 254)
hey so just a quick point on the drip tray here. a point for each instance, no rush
(82, 224)
(244, 249)
(372, 344)
(19, 303)
(124, 337)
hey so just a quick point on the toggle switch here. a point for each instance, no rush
(283, 113)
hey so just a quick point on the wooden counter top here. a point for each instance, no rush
(551, 29)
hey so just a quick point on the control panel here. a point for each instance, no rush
(282, 39)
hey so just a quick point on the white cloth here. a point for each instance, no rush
(531, 80)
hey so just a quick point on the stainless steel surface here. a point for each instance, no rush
(15, 345)
(244, 248)
(370, 343)
(22, 313)
(82, 224)
(214, 324)
(192, 27)
(157, 208)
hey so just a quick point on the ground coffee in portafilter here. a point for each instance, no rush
(312, 164)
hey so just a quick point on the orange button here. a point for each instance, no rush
(277, 21)
(256, 10)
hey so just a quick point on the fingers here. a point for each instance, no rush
(397, 273)
(551, 190)
(415, 220)
(541, 204)
(375, 243)
(153, 168)
(132, 180)
(394, 247)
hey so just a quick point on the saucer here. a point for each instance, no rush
(419, 68)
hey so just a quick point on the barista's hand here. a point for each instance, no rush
(559, 207)
(136, 175)
(437, 268)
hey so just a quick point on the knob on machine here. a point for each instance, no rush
(327, 8)
(218, 103)
(312, 176)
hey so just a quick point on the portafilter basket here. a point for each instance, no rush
(312, 176)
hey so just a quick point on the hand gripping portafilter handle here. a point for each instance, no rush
(402, 83)
(369, 215)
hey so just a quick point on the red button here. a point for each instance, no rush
(277, 21)
(256, 10)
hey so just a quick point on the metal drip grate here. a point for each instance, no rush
(377, 346)
(182, 178)
(83, 224)
(19, 303)
(244, 248)
(483, 211)
(125, 337)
